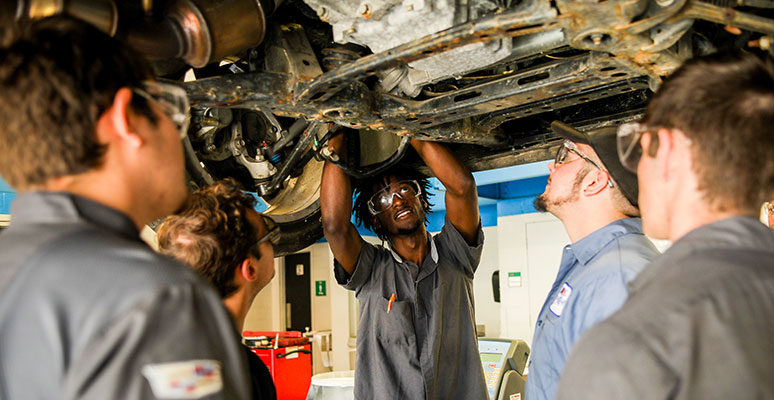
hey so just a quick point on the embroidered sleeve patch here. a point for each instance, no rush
(191, 379)
(561, 300)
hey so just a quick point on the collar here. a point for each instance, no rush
(733, 233)
(588, 247)
(41, 207)
(433, 251)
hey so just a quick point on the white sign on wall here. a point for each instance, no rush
(514, 279)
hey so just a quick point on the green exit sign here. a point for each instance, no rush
(319, 288)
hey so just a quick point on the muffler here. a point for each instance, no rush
(198, 31)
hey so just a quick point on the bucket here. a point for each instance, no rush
(338, 385)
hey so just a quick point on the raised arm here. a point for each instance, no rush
(461, 196)
(336, 206)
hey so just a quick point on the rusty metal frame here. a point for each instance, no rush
(618, 52)
(622, 60)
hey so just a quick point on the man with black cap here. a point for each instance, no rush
(699, 319)
(595, 197)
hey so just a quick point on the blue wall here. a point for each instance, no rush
(6, 197)
(499, 200)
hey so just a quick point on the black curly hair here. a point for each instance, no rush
(364, 189)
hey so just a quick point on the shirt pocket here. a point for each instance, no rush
(397, 326)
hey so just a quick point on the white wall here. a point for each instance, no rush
(487, 311)
(320, 258)
(264, 315)
(531, 244)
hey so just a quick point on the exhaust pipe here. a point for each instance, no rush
(101, 13)
(198, 31)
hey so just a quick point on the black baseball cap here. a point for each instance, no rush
(603, 141)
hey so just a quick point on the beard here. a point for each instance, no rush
(543, 204)
(540, 203)
(408, 231)
(382, 227)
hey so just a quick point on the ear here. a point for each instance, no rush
(666, 159)
(247, 271)
(376, 222)
(595, 182)
(120, 120)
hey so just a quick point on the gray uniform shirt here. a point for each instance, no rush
(426, 346)
(698, 324)
(89, 311)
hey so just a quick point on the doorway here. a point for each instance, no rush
(298, 301)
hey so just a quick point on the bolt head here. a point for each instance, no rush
(364, 10)
(414, 5)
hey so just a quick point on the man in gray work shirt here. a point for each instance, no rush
(699, 320)
(88, 310)
(417, 336)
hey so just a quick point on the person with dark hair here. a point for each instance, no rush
(87, 310)
(416, 337)
(364, 190)
(595, 197)
(699, 319)
(219, 234)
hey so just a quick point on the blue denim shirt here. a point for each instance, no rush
(590, 286)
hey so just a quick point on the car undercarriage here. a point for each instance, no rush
(271, 81)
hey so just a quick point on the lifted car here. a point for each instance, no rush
(271, 81)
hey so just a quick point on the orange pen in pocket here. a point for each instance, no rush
(389, 304)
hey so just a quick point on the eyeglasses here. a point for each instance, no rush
(272, 232)
(570, 147)
(382, 200)
(173, 102)
(628, 143)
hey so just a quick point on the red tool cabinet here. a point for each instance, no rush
(290, 363)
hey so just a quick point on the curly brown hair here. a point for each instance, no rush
(212, 234)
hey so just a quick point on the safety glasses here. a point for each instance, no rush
(570, 147)
(272, 232)
(172, 100)
(628, 143)
(382, 200)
